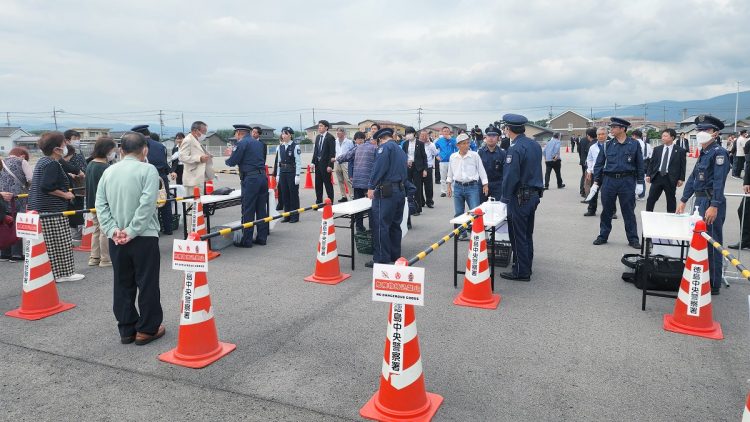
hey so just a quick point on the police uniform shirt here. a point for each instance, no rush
(289, 154)
(247, 155)
(493, 162)
(523, 167)
(390, 165)
(709, 174)
(625, 157)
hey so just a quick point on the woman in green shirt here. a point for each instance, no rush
(104, 152)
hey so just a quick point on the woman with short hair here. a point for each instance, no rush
(104, 152)
(15, 178)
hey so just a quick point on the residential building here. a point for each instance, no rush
(437, 126)
(569, 123)
(538, 133)
(8, 137)
(398, 128)
(350, 129)
(90, 134)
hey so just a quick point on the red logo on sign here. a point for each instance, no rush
(398, 286)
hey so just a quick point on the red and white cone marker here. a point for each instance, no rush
(746, 413)
(199, 220)
(327, 268)
(87, 235)
(402, 395)
(477, 290)
(39, 297)
(693, 312)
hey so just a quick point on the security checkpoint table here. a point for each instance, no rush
(495, 217)
(349, 209)
(211, 203)
(667, 226)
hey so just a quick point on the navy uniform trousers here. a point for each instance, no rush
(521, 233)
(136, 267)
(715, 259)
(387, 214)
(623, 188)
(254, 205)
(289, 193)
(165, 212)
(495, 191)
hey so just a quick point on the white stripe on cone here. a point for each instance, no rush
(34, 262)
(481, 256)
(703, 300)
(405, 378)
(325, 254)
(89, 227)
(407, 334)
(197, 317)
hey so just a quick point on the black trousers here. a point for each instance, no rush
(595, 202)
(583, 178)
(437, 171)
(556, 166)
(745, 241)
(360, 193)
(322, 178)
(661, 184)
(416, 178)
(165, 212)
(425, 195)
(289, 193)
(136, 268)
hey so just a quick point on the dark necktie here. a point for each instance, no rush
(664, 161)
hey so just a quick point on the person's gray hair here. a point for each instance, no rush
(132, 142)
(601, 129)
(197, 125)
(341, 129)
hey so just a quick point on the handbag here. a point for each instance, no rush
(162, 194)
(8, 231)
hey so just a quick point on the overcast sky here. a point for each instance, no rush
(268, 62)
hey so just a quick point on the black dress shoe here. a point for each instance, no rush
(738, 246)
(715, 292)
(416, 214)
(285, 220)
(259, 242)
(242, 245)
(584, 202)
(343, 200)
(442, 195)
(561, 186)
(635, 245)
(599, 241)
(369, 264)
(614, 216)
(590, 214)
(430, 206)
(128, 339)
(294, 220)
(279, 207)
(510, 276)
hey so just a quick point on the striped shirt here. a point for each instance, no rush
(48, 176)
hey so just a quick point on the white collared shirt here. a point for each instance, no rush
(412, 147)
(666, 154)
(466, 168)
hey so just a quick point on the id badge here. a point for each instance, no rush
(630, 158)
(701, 176)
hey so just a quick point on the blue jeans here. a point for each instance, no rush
(463, 195)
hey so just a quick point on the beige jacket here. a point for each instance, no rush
(194, 172)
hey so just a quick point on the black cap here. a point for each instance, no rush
(616, 121)
(514, 119)
(142, 129)
(705, 121)
(492, 131)
(288, 130)
(386, 131)
(246, 128)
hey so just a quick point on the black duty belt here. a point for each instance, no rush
(252, 172)
(399, 185)
(620, 175)
(704, 194)
(527, 191)
(472, 183)
(282, 165)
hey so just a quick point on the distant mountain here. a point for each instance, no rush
(721, 106)
(32, 125)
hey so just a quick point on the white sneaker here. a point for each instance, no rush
(72, 277)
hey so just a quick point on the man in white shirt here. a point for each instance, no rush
(341, 170)
(647, 152)
(594, 150)
(427, 180)
(739, 157)
(465, 176)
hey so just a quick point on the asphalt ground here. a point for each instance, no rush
(572, 344)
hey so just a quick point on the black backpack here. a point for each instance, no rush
(658, 272)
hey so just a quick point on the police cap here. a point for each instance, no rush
(492, 131)
(288, 130)
(514, 119)
(705, 121)
(245, 128)
(616, 121)
(142, 129)
(386, 131)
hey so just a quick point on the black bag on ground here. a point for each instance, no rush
(658, 272)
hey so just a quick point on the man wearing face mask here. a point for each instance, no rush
(707, 183)
(248, 157)
(416, 162)
(197, 163)
(78, 163)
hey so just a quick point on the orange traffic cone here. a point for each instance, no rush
(693, 312)
(402, 395)
(199, 221)
(746, 413)
(327, 269)
(272, 186)
(39, 297)
(477, 291)
(567, 149)
(88, 232)
(209, 187)
(198, 342)
(308, 179)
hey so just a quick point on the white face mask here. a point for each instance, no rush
(202, 137)
(111, 156)
(703, 137)
(409, 136)
(65, 150)
(75, 143)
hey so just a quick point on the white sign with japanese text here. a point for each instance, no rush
(398, 284)
(27, 226)
(190, 255)
(396, 336)
(696, 277)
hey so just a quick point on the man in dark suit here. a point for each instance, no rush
(323, 156)
(416, 162)
(583, 151)
(666, 171)
(743, 211)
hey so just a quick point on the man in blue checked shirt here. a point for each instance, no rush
(446, 145)
(552, 161)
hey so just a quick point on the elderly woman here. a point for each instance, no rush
(104, 152)
(15, 178)
(49, 193)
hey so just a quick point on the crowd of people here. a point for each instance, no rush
(498, 164)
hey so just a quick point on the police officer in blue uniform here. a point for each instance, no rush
(388, 193)
(287, 168)
(248, 156)
(157, 156)
(619, 172)
(493, 159)
(522, 187)
(707, 182)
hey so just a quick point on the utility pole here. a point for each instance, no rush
(161, 124)
(550, 113)
(736, 105)
(300, 122)
(615, 109)
(182, 116)
(684, 113)
(54, 115)
(645, 111)
(665, 114)
(592, 113)
(419, 118)
(7, 118)
(313, 112)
